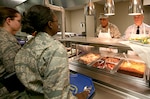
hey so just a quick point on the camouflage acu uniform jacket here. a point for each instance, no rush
(9, 46)
(114, 31)
(42, 66)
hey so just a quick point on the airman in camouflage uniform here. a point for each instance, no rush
(42, 63)
(10, 23)
(114, 31)
(107, 27)
(42, 66)
(9, 46)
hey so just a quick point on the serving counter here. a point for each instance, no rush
(97, 42)
(122, 85)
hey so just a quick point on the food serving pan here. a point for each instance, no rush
(132, 67)
(108, 63)
(88, 58)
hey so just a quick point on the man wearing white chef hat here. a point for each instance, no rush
(107, 29)
(138, 29)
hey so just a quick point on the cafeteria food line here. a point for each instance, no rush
(108, 82)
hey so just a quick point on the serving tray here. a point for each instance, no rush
(78, 82)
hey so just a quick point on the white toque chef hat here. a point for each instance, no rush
(101, 15)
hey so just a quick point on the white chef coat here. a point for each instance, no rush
(131, 31)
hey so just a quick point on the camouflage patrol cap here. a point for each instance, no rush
(102, 15)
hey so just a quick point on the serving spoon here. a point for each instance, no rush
(128, 63)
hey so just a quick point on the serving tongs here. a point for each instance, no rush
(128, 63)
(101, 62)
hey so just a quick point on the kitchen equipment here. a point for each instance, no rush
(127, 59)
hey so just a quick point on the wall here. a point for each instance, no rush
(68, 21)
(121, 17)
(147, 14)
(76, 18)
(99, 9)
(73, 21)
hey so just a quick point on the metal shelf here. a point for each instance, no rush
(97, 42)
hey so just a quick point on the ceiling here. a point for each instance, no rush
(67, 4)
(22, 5)
(11, 3)
(76, 4)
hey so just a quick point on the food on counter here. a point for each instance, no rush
(99, 64)
(88, 58)
(135, 38)
(111, 59)
(143, 40)
(108, 62)
(111, 62)
(110, 66)
(134, 68)
(103, 65)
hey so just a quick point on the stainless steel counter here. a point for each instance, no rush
(127, 85)
(115, 85)
(101, 42)
(105, 92)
